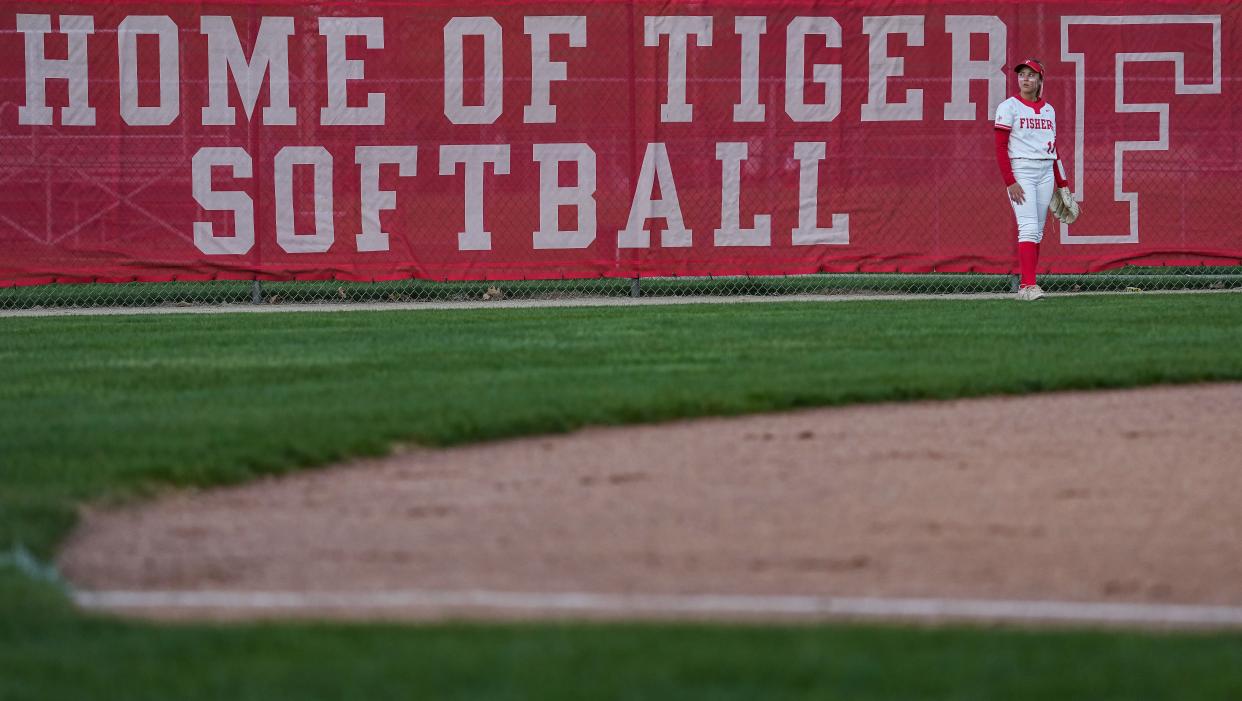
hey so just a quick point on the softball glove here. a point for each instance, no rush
(1063, 206)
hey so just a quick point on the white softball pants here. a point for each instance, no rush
(1035, 177)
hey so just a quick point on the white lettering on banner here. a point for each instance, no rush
(239, 203)
(475, 237)
(961, 28)
(731, 232)
(170, 75)
(225, 56)
(1177, 58)
(373, 199)
(795, 70)
(677, 28)
(341, 70)
(808, 233)
(455, 108)
(655, 170)
(748, 108)
(289, 239)
(553, 196)
(1141, 60)
(543, 70)
(40, 69)
(881, 67)
(269, 61)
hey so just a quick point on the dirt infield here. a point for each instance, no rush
(1121, 497)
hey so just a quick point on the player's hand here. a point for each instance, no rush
(1017, 194)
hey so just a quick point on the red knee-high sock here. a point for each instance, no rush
(1028, 258)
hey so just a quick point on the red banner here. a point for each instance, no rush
(508, 140)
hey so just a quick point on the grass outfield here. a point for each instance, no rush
(107, 407)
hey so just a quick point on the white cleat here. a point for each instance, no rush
(1030, 293)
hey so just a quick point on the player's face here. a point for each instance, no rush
(1028, 80)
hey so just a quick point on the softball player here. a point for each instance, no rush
(1026, 149)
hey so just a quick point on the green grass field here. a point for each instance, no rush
(114, 407)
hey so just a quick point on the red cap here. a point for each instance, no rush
(1031, 63)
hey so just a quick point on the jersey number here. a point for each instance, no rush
(1052, 147)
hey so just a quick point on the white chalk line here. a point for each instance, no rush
(497, 304)
(671, 605)
(553, 303)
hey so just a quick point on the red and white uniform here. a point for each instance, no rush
(1032, 128)
(1026, 149)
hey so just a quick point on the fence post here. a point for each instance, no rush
(256, 293)
(635, 289)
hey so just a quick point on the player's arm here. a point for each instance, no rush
(1002, 155)
(1002, 127)
(1016, 193)
(1059, 174)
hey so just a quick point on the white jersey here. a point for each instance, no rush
(1032, 128)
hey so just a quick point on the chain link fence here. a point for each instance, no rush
(1127, 279)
